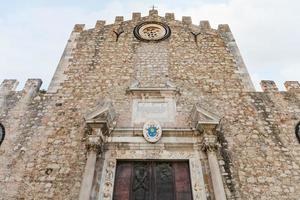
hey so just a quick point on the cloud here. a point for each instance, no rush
(33, 38)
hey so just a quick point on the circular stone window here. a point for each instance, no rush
(152, 31)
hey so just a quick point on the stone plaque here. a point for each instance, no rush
(163, 111)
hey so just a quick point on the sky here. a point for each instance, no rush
(33, 33)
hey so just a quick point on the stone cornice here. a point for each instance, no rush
(204, 120)
(103, 117)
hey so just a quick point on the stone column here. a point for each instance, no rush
(210, 146)
(94, 145)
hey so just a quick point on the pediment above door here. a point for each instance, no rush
(102, 116)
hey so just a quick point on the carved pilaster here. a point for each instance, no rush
(94, 144)
(210, 145)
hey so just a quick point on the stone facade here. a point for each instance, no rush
(65, 141)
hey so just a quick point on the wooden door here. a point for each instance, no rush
(152, 180)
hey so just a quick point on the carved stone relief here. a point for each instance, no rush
(152, 31)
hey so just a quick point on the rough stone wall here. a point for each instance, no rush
(259, 129)
(44, 154)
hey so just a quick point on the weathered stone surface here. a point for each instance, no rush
(44, 152)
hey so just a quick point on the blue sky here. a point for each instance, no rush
(33, 33)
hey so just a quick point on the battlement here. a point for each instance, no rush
(33, 85)
(204, 25)
(153, 13)
(10, 85)
(170, 16)
(186, 20)
(270, 86)
(119, 19)
(78, 28)
(136, 16)
(292, 86)
(100, 24)
(116, 32)
(224, 28)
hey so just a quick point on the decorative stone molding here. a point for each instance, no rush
(102, 117)
(169, 88)
(100, 123)
(152, 31)
(95, 143)
(204, 120)
(110, 164)
(209, 143)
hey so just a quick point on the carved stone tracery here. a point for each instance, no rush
(152, 31)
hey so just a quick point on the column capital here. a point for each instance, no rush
(94, 143)
(209, 143)
(209, 129)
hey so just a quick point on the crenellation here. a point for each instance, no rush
(33, 85)
(205, 25)
(8, 85)
(100, 24)
(292, 86)
(119, 19)
(187, 83)
(268, 86)
(31, 88)
(224, 28)
(170, 16)
(136, 16)
(153, 13)
(78, 28)
(186, 20)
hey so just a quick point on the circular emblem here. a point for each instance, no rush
(152, 131)
(152, 31)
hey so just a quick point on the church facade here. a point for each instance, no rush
(151, 108)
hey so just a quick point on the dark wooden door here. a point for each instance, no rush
(152, 180)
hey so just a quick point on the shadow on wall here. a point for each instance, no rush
(297, 131)
(2, 133)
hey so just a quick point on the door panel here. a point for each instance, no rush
(151, 180)
(122, 181)
(141, 181)
(182, 181)
(164, 181)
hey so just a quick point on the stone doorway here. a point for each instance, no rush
(152, 180)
